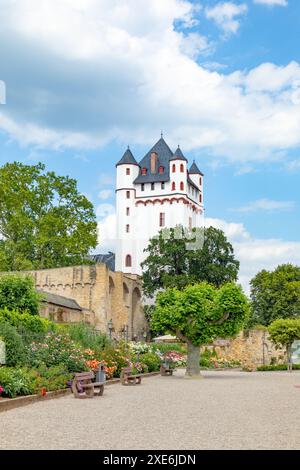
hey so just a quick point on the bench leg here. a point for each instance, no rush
(101, 390)
(90, 392)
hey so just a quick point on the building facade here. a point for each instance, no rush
(158, 192)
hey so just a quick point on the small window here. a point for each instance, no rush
(162, 219)
(173, 186)
(128, 194)
(182, 168)
(143, 187)
(200, 198)
(200, 181)
(181, 186)
(128, 261)
(127, 228)
(152, 186)
(163, 185)
(144, 171)
(173, 168)
(127, 171)
(161, 169)
(127, 211)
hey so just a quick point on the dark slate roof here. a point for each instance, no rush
(194, 170)
(127, 158)
(59, 300)
(178, 155)
(164, 156)
(108, 259)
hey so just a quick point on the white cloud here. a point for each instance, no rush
(226, 15)
(281, 3)
(124, 72)
(105, 194)
(103, 210)
(267, 205)
(107, 234)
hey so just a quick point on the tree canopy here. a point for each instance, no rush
(275, 294)
(44, 220)
(200, 313)
(18, 293)
(170, 262)
(283, 332)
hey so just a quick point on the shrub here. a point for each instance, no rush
(274, 367)
(14, 346)
(57, 349)
(15, 382)
(116, 358)
(88, 336)
(26, 322)
(18, 293)
(164, 347)
(151, 360)
(50, 378)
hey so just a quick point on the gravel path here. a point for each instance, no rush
(225, 410)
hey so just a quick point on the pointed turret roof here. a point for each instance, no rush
(127, 159)
(178, 155)
(194, 170)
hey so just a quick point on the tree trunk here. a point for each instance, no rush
(193, 358)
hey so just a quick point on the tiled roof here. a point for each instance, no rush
(108, 259)
(59, 300)
(178, 155)
(127, 158)
(194, 170)
(164, 155)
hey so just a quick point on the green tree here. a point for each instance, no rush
(283, 332)
(44, 221)
(275, 294)
(199, 314)
(17, 293)
(171, 262)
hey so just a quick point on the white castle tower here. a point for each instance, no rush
(158, 192)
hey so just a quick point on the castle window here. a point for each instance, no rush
(152, 186)
(143, 187)
(127, 171)
(200, 198)
(127, 211)
(128, 261)
(162, 185)
(161, 169)
(127, 194)
(173, 168)
(200, 181)
(144, 171)
(181, 186)
(162, 219)
(127, 228)
(182, 168)
(173, 186)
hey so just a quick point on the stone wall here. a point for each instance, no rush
(102, 294)
(251, 349)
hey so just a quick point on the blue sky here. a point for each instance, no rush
(84, 78)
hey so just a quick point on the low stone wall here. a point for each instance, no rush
(251, 349)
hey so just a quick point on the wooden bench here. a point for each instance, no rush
(83, 387)
(127, 378)
(165, 370)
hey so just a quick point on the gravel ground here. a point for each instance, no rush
(225, 410)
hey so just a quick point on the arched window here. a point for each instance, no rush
(144, 171)
(128, 261)
(200, 181)
(181, 186)
(173, 168)
(182, 168)
(127, 171)
(127, 228)
(127, 210)
(161, 169)
(200, 198)
(173, 186)
(128, 194)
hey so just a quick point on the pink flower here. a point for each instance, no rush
(1, 389)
